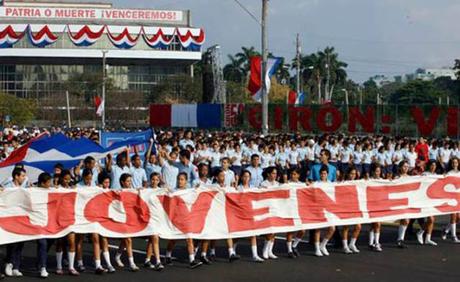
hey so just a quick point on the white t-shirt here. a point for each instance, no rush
(237, 155)
(346, 154)
(293, 157)
(445, 154)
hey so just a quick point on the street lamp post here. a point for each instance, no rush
(104, 74)
(264, 67)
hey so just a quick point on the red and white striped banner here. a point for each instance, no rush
(27, 214)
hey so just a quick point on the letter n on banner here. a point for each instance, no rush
(379, 203)
(241, 216)
(137, 212)
(313, 202)
(188, 220)
(366, 120)
(61, 214)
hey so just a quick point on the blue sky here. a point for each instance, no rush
(375, 37)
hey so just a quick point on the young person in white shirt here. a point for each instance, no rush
(269, 182)
(453, 168)
(182, 183)
(350, 248)
(230, 179)
(245, 185)
(291, 241)
(320, 248)
(428, 227)
(403, 223)
(153, 243)
(374, 233)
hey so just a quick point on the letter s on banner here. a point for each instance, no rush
(188, 221)
(379, 203)
(313, 202)
(137, 212)
(61, 214)
(437, 190)
(241, 214)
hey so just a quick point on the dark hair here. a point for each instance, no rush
(88, 160)
(184, 174)
(217, 171)
(64, 173)
(17, 172)
(124, 177)
(350, 169)
(43, 178)
(135, 157)
(324, 168)
(327, 153)
(269, 170)
(103, 176)
(86, 172)
(185, 154)
(154, 174)
(59, 166)
(254, 156)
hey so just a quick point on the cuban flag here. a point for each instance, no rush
(190, 115)
(255, 80)
(42, 153)
(300, 99)
(99, 104)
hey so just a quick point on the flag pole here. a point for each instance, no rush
(264, 67)
(69, 121)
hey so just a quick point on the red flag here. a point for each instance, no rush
(292, 97)
(255, 80)
(99, 104)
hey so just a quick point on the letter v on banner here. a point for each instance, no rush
(255, 79)
(188, 220)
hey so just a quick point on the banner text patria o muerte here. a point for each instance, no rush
(27, 214)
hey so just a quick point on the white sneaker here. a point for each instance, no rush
(377, 248)
(16, 273)
(420, 237)
(9, 269)
(456, 240)
(324, 250)
(353, 248)
(43, 272)
(318, 253)
(430, 243)
(347, 250)
(118, 261)
(272, 256)
(257, 259)
(445, 232)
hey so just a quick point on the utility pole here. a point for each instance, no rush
(264, 67)
(298, 51)
(328, 66)
(69, 120)
(104, 74)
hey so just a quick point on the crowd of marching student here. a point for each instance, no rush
(188, 160)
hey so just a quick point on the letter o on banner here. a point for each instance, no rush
(137, 212)
(336, 119)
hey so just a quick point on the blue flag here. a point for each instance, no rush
(109, 138)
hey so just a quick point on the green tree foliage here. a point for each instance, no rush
(20, 110)
(417, 92)
(457, 68)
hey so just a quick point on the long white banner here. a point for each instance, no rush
(27, 214)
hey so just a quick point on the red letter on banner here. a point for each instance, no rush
(137, 212)
(241, 214)
(299, 114)
(336, 119)
(254, 117)
(379, 203)
(452, 121)
(188, 221)
(425, 127)
(366, 120)
(437, 191)
(312, 202)
(61, 214)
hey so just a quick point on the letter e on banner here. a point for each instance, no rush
(188, 221)
(379, 203)
(241, 216)
(137, 212)
(61, 214)
(437, 190)
(313, 202)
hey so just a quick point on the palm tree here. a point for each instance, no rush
(233, 71)
(311, 73)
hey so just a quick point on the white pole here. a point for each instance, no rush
(69, 121)
(264, 67)
(298, 51)
(103, 86)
